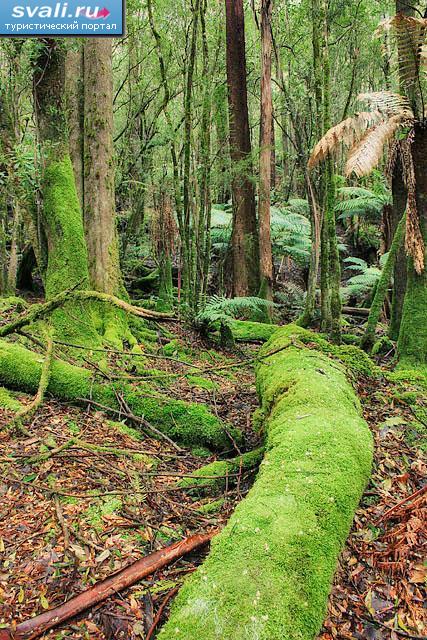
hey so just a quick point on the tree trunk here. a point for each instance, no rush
(245, 233)
(382, 286)
(400, 196)
(266, 129)
(75, 114)
(99, 200)
(412, 344)
(61, 219)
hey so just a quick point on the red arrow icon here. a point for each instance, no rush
(102, 13)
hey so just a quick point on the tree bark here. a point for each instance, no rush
(245, 232)
(99, 199)
(400, 196)
(266, 130)
(61, 221)
(75, 114)
(412, 343)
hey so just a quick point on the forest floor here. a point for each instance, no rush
(58, 537)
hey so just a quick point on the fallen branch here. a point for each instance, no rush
(40, 311)
(30, 409)
(35, 627)
(413, 496)
(159, 613)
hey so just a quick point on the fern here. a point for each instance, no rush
(361, 202)
(360, 285)
(220, 310)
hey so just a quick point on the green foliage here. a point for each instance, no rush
(361, 285)
(220, 310)
(359, 201)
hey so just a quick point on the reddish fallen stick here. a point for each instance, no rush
(34, 627)
(162, 607)
(397, 506)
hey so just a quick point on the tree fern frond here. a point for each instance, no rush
(387, 102)
(409, 34)
(366, 154)
(347, 132)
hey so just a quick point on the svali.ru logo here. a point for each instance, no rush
(60, 10)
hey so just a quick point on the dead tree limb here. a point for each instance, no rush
(35, 627)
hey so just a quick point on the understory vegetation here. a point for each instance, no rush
(213, 325)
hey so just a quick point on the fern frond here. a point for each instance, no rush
(366, 154)
(386, 102)
(346, 132)
(409, 34)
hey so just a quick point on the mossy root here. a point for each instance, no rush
(190, 424)
(270, 570)
(216, 475)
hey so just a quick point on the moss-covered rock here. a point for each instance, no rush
(188, 423)
(270, 570)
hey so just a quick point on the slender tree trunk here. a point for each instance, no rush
(245, 233)
(334, 269)
(266, 258)
(383, 285)
(400, 196)
(99, 199)
(187, 239)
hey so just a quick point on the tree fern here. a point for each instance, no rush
(220, 310)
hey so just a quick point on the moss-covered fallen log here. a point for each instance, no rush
(269, 573)
(188, 423)
(216, 475)
(246, 331)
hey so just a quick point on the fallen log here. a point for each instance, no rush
(35, 627)
(189, 423)
(356, 311)
(270, 570)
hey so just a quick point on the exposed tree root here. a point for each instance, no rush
(41, 311)
(27, 411)
(215, 476)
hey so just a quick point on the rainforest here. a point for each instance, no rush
(213, 323)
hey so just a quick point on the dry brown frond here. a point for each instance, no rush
(409, 34)
(386, 102)
(365, 154)
(346, 132)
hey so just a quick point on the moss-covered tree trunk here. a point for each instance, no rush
(75, 112)
(412, 343)
(61, 221)
(245, 233)
(400, 268)
(382, 286)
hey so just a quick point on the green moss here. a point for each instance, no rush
(13, 303)
(270, 570)
(201, 383)
(191, 424)
(245, 331)
(8, 401)
(221, 469)
(213, 506)
(383, 345)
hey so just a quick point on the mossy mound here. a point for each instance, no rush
(269, 572)
(246, 331)
(191, 424)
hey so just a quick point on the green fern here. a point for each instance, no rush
(220, 310)
(361, 285)
(359, 201)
